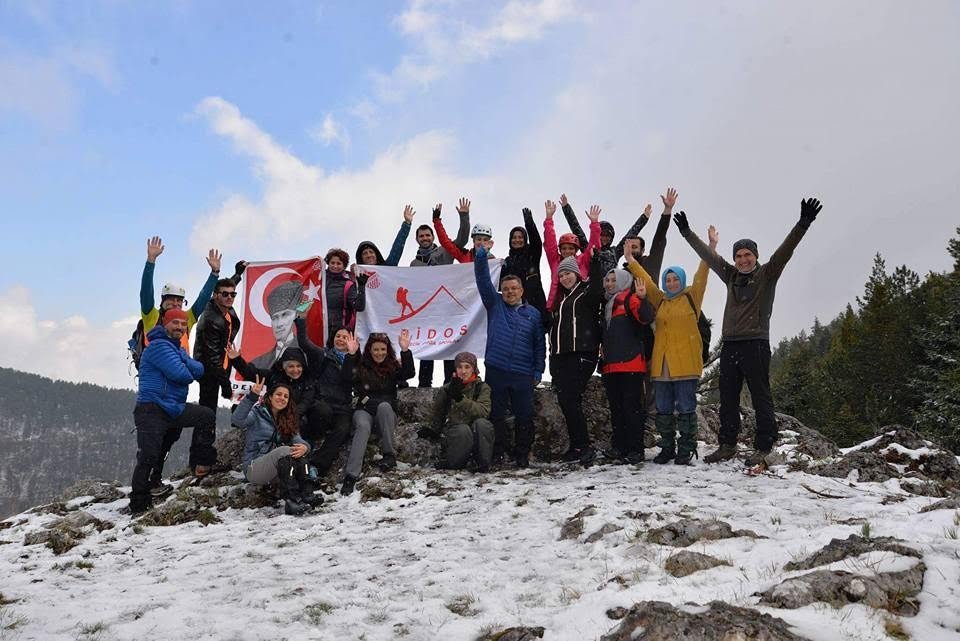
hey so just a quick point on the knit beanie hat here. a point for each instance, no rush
(568, 264)
(466, 357)
(174, 313)
(745, 243)
(293, 354)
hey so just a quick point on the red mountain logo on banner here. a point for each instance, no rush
(407, 310)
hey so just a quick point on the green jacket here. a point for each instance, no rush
(474, 404)
(746, 315)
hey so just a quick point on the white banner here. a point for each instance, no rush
(440, 306)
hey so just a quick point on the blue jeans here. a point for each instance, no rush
(516, 391)
(679, 396)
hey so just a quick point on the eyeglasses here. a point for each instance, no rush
(228, 294)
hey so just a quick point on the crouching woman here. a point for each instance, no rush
(273, 449)
(375, 377)
(461, 411)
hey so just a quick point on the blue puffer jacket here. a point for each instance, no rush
(261, 432)
(166, 372)
(515, 335)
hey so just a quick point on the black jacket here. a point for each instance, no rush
(326, 372)
(525, 264)
(576, 321)
(371, 388)
(214, 332)
(302, 390)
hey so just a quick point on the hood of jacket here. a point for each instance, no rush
(368, 244)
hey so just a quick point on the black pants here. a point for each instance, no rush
(212, 388)
(156, 434)
(746, 361)
(425, 377)
(628, 410)
(331, 426)
(571, 372)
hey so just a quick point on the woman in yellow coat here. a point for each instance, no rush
(677, 361)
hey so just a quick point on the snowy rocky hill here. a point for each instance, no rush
(860, 544)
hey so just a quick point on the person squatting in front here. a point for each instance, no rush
(273, 450)
(677, 356)
(623, 362)
(515, 357)
(574, 347)
(460, 419)
(375, 376)
(162, 412)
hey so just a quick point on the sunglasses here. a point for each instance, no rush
(228, 294)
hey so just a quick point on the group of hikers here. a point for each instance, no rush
(609, 307)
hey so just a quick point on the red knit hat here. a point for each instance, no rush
(174, 313)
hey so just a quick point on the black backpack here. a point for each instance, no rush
(136, 344)
(704, 325)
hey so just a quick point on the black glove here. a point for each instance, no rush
(362, 279)
(809, 209)
(240, 267)
(436, 214)
(455, 391)
(680, 218)
(527, 212)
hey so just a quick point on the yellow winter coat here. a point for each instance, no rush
(677, 336)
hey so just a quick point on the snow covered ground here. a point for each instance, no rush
(472, 553)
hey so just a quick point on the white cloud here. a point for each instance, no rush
(69, 349)
(329, 132)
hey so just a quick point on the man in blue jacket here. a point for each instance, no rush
(162, 412)
(515, 357)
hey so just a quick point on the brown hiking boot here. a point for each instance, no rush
(722, 453)
(758, 457)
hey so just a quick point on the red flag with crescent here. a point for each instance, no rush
(272, 293)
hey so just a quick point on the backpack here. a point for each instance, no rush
(136, 344)
(704, 326)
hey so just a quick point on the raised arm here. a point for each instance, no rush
(463, 232)
(550, 236)
(809, 209)
(723, 269)
(238, 270)
(572, 221)
(203, 297)
(533, 235)
(357, 295)
(313, 352)
(595, 287)
(654, 294)
(481, 272)
(396, 251)
(459, 254)
(634, 230)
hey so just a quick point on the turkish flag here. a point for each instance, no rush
(272, 290)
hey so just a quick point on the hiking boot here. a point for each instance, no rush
(136, 509)
(614, 455)
(312, 500)
(571, 455)
(387, 463)
(294, 508)
(757, 457)
(635, 457)
(664, 456)
(522, 461)
(722, 453)
(200, 471)
(587, 456)
(349, 484)
(160, 491)
(684, 458)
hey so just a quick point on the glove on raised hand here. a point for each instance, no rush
(680, 218)
(809, 209)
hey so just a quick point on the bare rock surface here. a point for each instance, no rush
(686, 562)
(718, 621)
(951, 503)
(519, 633)
(853, 545)
(686, 532)
(66, 533)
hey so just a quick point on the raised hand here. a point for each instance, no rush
(526, 212)
(669, 200)
(563, 200)
(408, 214)
(640, 287)
(362, 278)
(594, 213)
(436, 211)
(154, 248)
(647, 210)
(628, 248)
(404, 340)
(713, 236)
(809, 209)
(213, 259)
(550, 207)
(681, 220)
(240, 267)
(353, 345)
(463, 207)
(232, 351)
(257, 388)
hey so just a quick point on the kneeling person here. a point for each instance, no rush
(461, 411)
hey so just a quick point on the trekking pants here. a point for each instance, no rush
(746, 361)
(156, 434)
(516, 391)
(363, 423)
(425, 377)
(571, 373)
(628, 410)
(459, 443)
(263, 470)
(333, 427)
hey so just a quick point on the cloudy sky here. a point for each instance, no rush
(279, 130)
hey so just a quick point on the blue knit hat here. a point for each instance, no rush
(682, 275)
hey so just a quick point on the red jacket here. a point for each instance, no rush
(623, 345)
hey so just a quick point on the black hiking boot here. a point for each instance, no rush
(587, 456)
(722, 453)
(289, 474)
(664, 456)
(349, 484)
(634, 458)
(294, 508)
(387, 463)
(685, 458)
(572, 454)
(160, 490)
(613, 455)
(313, 500)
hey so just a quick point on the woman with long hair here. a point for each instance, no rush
(273, 449)
(375, 377)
